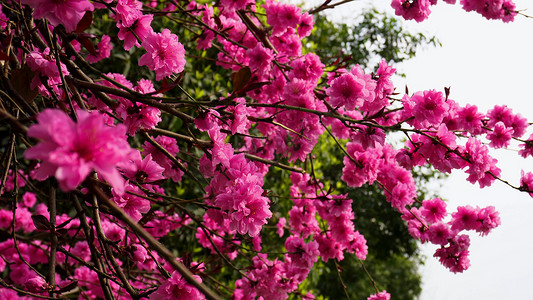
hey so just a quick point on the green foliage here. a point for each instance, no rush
(374, 36)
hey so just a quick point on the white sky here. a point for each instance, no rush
(485, 63)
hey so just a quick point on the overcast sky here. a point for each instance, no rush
(485, 63)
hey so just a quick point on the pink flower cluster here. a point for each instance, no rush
(165, 56)
(427, 224)
(70, 150)
(419, 11)
(45, 68)
(352, 89)
(236, 187)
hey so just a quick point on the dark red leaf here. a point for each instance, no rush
(166, 85)
(41, 222)
(241, 78)
(253, 86)
(86, 42)
(85, 22)
(218, 22)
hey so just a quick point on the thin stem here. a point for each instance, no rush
(53, 244)
(151, 241)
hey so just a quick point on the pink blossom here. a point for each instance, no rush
(505, 115)
(176, 287)
(306, 25)
(36, 284)
(18, 179)
(384, 88)
(140, 254)
(302, 220)
(470, 119)
(3, 20)
(526, 182)
(417, 10)
(519, 125)
(171, 145)
(351, 89)
(342, 228)
(282, 222)
(44, 64)
(481, 164)
(383, 295)
(489, 219)
(143, 170)
(133, 205)
(66, 12)
(260, 58)
(502, 9)
(303, 255)
(358, 246)
(288, 43)
(82, 250)
(29, 199)
(138, 116)
(70, 151)
(368, 136)
(528, 147)
(465, 218)
(6, 218)
(338, 205)
(128, 11)
(165, 54)
(112, 231)
(455, 255)
(233, 5)
(239, 121)
(309, 68)
(433, 210)
(429, 107)
(362, 167)
(248, 209)
(20, 273)
(141, 27)
(439, 233)
(500, 136)
(282, 16)
(103, 50)
(329, 247)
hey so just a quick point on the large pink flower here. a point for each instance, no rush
(70, 151)
(66, 12)
(165, 54)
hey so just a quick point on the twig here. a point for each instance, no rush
(151, 241)
(53, 244)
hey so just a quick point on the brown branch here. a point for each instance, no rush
(151, 241)
(104, 281)
(53, 244)
(132, 97)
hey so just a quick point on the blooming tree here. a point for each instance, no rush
(102, 166)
